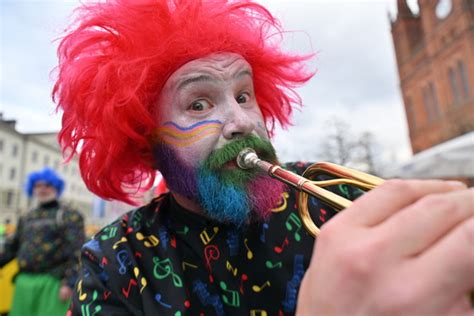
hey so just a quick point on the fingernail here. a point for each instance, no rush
(457, 184)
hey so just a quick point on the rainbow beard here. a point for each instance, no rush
(226, 193)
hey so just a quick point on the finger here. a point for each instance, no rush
(421, 224)
(393, 195)
(448, 266)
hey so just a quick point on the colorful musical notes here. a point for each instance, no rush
(230, 268)
(258, 312)
(164, 268)
(110, 232)
(289, 303)
(233, 242)
(126, 292)
(158, 298)
(122, 240)
(82, 296)
(85, 308)
(211, 252)
(243, 278)
(279, 249)
(143, 282)
(184, 231)
(235, 298)
(185, 264)
(293, 218)
(282, 206)
(258, 289)
(123, 260)
(205, 238)
(149, 241)
(249, 252)
(271, 265)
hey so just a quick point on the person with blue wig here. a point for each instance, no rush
(46, 244)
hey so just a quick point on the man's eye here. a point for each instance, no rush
(199, 106)
(242, 98)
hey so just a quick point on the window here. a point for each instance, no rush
(9, 198)
(463, 79)
(454, 85)
(34, 156)
(12, 173)
(15, 150)
(46, 160)
(430, 101)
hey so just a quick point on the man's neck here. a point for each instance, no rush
(188, 204)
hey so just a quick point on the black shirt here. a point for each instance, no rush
(162, 259)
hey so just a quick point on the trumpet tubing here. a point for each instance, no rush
(248, 158)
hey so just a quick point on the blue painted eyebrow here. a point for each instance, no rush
(192, 126)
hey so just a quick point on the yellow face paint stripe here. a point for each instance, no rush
(183, 143)
(184, 135)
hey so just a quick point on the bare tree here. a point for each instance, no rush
(339, 145)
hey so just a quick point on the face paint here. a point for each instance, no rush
(179, 136)
(225, 192)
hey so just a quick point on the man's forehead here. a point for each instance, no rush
(219, 66)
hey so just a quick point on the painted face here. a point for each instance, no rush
(44, 192)
(207, 103)
(207, 113)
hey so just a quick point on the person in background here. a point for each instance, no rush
(47, 244)
(182, 86)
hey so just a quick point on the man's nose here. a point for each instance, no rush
(238, 123)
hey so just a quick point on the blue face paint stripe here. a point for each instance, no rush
(192, 126)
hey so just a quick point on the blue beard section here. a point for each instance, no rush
(221, 201)
(224, 202)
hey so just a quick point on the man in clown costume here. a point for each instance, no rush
(47, 244)
(182, 87)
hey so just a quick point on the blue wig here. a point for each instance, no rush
(46, 175)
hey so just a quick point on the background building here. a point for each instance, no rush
(435, 56)
(21, 154)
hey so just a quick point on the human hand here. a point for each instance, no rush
(65, 293)
(405, 248)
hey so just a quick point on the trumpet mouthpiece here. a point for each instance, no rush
(247, 158)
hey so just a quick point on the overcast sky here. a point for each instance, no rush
(357, 78)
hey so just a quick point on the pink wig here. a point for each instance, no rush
(115, 59)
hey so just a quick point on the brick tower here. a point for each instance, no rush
(435, 56)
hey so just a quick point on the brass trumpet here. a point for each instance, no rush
(248, 158)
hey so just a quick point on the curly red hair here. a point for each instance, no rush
(116, 57)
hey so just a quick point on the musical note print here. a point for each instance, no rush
(123, 260)
(282, 206)
(126, 292)
(82, 296)
(149, 241)
(279, 249)
(289, 303)
(230, 268)
(271, 265)
(258, 312)
(143, 281)
(249, 252)
(164, 268)
(122, 240)
(185, 264)
(293, 218)
(110, 232)
(243, 278)
(184, 231)
(211, 253)
(233, 242)
(85, 308)
(158, 298)
(200, 289)
(235, 298)
(258, 289)
(205, 238)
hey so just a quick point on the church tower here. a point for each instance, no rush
(435, 56)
